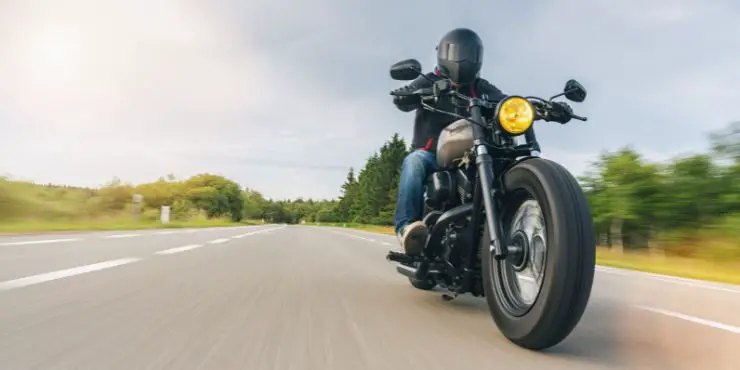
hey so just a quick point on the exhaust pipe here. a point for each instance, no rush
(435, 234)
(421, 273)
(406, 271)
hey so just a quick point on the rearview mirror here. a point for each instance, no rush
(574, 91)
(406, 70)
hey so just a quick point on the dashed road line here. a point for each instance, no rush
(357, 237)
(165, 233)
(119, 236)
(32, 242)
(179, 249)
(218, 241)
(59, 274)
(257, 232)
(694, 319)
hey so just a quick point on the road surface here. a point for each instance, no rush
(298, 297)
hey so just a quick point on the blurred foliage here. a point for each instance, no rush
(689, 207)
(199, 197)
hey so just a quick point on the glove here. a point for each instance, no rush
(560, 112)
(406, 103)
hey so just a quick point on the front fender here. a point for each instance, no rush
(517, 161)
(512, 164)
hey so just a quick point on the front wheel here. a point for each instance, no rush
(539, 293)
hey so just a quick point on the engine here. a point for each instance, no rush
(446, 189)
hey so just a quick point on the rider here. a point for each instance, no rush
(459, 58)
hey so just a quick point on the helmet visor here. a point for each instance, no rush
(460, 52)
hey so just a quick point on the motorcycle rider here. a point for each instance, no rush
(459, 58)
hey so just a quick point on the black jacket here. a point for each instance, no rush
(428, 125)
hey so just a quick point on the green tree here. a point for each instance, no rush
(216, 195)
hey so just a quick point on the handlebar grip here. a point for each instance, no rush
(402, 93)
(575, 116)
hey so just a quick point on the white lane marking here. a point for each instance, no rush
(257, 232)
(361, 238)
(694, 319)
(218, 241)
(365, 239)
(669, 279)
(54, 275)
(31, 242)
(356, 237)
(179, 249)
(165, 233)
(117, 236)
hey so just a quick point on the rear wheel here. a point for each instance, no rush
(539, 293)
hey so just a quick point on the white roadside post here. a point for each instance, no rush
(137, 205)
(165, 215)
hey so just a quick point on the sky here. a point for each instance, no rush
(284, 96)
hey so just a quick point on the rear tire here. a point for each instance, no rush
(569, 257)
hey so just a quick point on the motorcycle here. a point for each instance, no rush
(504, 223)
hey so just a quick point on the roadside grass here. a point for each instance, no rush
(692, 268)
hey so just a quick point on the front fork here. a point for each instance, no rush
(488, 193)
(486, 190)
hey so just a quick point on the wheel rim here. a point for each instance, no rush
(520, 276)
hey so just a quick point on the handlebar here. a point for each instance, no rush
(548, 105)
(427, 93)
(580, 118)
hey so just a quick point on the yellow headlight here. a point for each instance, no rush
(515, 115)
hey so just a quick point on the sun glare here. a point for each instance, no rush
(55, 53)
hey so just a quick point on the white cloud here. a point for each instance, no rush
(255, 91)
(138, 90)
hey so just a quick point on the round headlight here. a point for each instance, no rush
(515, 115)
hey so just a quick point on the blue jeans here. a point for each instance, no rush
(410, 203)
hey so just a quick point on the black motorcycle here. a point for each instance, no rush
(504, 223)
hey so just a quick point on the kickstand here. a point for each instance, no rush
(446, 297)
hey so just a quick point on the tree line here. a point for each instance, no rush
(203, 196)
(689, 206)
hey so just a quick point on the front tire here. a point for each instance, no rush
(566, 262)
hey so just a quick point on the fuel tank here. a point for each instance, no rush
(453, 142)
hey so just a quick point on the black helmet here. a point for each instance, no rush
(460, 55)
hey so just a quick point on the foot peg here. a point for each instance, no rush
(421, 272)
(399, 257)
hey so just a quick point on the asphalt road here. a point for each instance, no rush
(277, 297)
